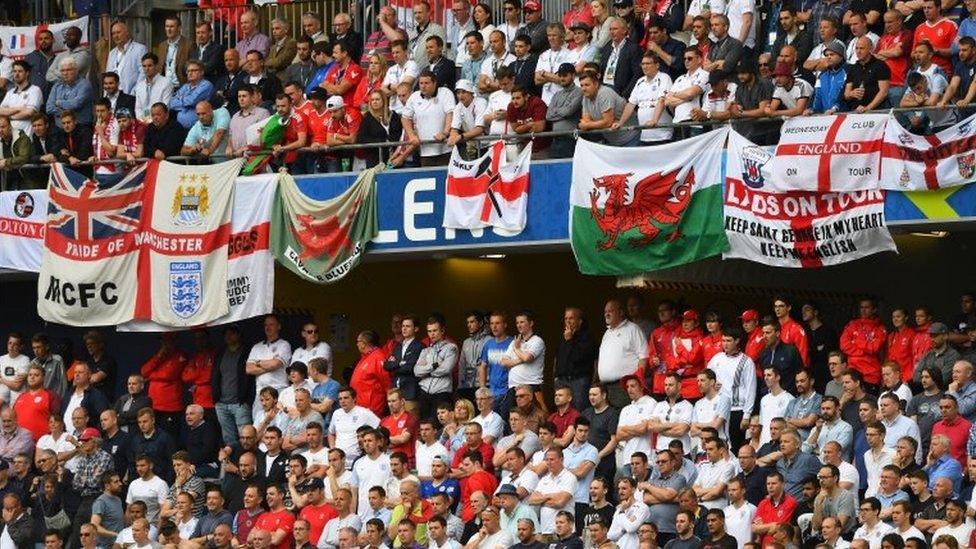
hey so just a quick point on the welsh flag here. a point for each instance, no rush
(487, 191)
(641, 209)
(262, 136)
(323, 240)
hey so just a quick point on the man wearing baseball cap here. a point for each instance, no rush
(578, 13)
(534, 26)
(466, 122)
(941, 355)
(754, 338)
(340, 129)
(831, 81)
(563, 113)
(93, 462)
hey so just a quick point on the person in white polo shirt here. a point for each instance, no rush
(623, 352)
(23, 100)
(554, 492)
(268, 359)
(525, 357)
(427, 116)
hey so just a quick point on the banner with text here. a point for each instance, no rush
(152, 246)
(22, 218)
(796, 229)
(250, 265)
(19, 41)
(836, 153)
(928, 162)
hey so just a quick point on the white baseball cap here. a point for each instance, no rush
(464, 84)
(335, 103)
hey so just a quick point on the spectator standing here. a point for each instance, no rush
(40, 59)
(207, 51)
(165, 135)
(621, 57)
(209, 133)
(250, 37)
(73, 49)
(382, 38)
(427, 116)
(196, 89)
(424, 28)
(302, 67)
(173, 52)
(164, 372)
(940, 32)
(70, 93)
(125, 57)
(23, 100)
(283, 48)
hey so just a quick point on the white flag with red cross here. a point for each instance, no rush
(487, 191)
(838, 153)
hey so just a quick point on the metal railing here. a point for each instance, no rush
(736, 123)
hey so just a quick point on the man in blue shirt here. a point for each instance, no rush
(209, 134)
(491, 373)
(184, 101)
(70, 94)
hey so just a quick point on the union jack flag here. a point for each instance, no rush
(83, 209)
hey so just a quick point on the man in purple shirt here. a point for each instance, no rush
(251, 39)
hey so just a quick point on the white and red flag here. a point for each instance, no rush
(17, 42)
(927, 162)
(836, 153)
(487, 191)
(22, 218)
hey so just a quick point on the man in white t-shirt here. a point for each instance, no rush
(646, 97)
(148, 488)
(549, 61)
(742, 21)
(623, 352)
(498, 58)
(492, 424)
(427, 116)
(739, 513)
(402, 70)
(686, 92)
(372, 469)
(345, 421)
(525, 356)
(14, 366)
(671, 418)
(426, 448)
(774, 403)
(22, 101)
(554, 492)
(317, 454)
(268, 358)
(496, 113)
(312, 347)
(712, 409)
(632, 429)
(713, 475)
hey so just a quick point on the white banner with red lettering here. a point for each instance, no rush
(22, 218)
(19, 41)
(250, 265)
(152, 246)
(798, 229)
(927, 162)
(837, 153)
(487, 191)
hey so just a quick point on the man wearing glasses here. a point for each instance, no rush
(342, 31)
(832, 501)
(872, 529)
(312, 347)
(661, 496)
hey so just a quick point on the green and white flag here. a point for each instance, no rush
(323, 240)
(636, 209)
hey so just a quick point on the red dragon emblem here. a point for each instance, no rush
(659, 200)
(325, 236)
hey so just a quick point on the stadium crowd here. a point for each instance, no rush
(440, 80)
(694, 431)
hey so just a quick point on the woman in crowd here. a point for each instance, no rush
(371, 82)
(380, 125)
(482, 20)
(601, 22)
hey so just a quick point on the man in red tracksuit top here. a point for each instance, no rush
(922, 342)
(369, 379)
(899, 345)
(164, 371)
(755, 342)
(862, 341)
(660, 341)
(685, 354)
(791, 331)
(712, 342)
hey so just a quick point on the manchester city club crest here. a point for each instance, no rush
(967, 164)
(191, 202)
(905, 178)
(185, 287)
(24, 205)
(753, 160)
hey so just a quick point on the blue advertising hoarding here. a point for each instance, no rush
(411, 207)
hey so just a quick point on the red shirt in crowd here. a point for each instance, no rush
(711, 345)
(898, 66)
(197, 375)
(862, 340)
(899, 349)
(317, 516)
(563, 420)
(685, 357)
(345, 125)
(958, 433)
(941, 35)
(34, 409)
(533, 110)
(272, 521)
(768, 512)
(295, 126)
(405, 422)
(486, 451)
(371, 382)
(479, 481)
(660, 340)
(165, 377)
(792, 332)
(351, 73)
(921, 343)
(133, 136)
(316, 125)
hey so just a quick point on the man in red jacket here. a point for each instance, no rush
(198, 372)
(659, 342)
(477, 480)
(862, 341)
(791, 331)
(900, 342)
(164, 372)
(712, 342)
(685, 354)
(922, 342)
(369, 379)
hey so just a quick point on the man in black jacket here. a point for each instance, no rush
(42, 151)
(620, 59)
(84, 395)
(118, 98)
(73, 144)
(208, 52)
(164, 137)
(229, 83)
(17, 523)
(233, 389)
(129, 404)
(575, 357)
(403, 358)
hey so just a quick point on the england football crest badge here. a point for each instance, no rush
(753, 160)
(185, 287)
(967, 164)
(191, 202)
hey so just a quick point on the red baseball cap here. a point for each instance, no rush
(532, 5)
(749, 315)
(690, 314)
(89, 433)
(628, 377)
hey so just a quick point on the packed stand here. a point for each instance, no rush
(628, 74)
(694, 431)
